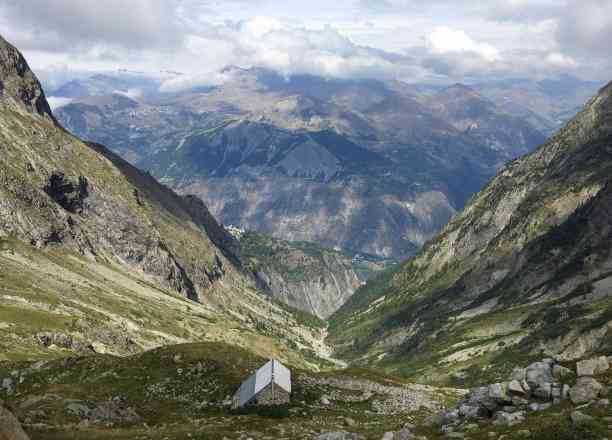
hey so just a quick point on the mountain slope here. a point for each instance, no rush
(524, 268)
(95, 253)
(290, 157)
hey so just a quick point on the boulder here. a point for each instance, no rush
(499, 393)
(544, 391)
(78, 409)
(586, 390)
(472, 411)
(515, 388)
(591, 367)
(404, 434)
(325, 401)
(518, 374)
(337, 435)
(10, 428)
(560, 372)
(388, 436)
(579, 418)
(538, 374)
(508, 419)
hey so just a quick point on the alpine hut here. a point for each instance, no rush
(270, 385)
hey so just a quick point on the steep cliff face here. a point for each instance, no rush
(301, 275)
(524, 268)
(95, 253)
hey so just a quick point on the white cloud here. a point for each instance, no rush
(449, 40)
(56, 102)
(445, 40)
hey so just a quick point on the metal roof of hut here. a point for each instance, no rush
(271, 372)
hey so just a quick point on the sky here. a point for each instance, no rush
(409, 40)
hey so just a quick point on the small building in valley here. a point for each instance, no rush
(270, 385)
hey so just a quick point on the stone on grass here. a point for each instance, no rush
(509, 419)
(388, 436)
(337, 435)
(586, 390)
(404, 434)
(78, 409)
(579, 418)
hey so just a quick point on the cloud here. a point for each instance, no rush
(56, 102)
(585, 28)
(64, 24)
(444, 40)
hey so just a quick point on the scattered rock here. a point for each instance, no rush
(586, 390)
(7, 385)
(350, 422)
(337, 435)
(78, 409)
(579, 418)
(509, 419)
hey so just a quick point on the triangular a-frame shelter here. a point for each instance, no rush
(270, 385)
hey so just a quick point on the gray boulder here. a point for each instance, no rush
(337, 435)
(538, 374)
(508, 419)
(586, 390)
(499, 393)
(544, 391)
(78, 409)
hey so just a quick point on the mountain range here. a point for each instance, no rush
(523, 271)
(367, 166)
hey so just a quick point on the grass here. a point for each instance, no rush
(180, 390)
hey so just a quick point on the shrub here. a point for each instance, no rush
(565, 430)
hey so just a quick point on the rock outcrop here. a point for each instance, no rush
(532, 389)
(10, 428)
